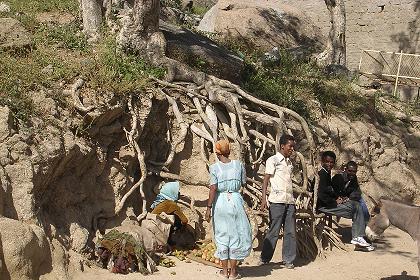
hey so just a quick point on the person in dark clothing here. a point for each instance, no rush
(346, 185)
(330, 201)
(327, 198)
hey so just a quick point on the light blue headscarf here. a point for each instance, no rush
(169, 191)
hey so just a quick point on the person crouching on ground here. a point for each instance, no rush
(278, 171)
(231, 227)
(166, 202)
(330, 202)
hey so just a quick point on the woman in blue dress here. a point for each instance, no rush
(231, 227)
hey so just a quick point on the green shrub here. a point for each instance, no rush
(292, 82)
(199, 10)
(118, 72)
(33, 7)
(26, 10)
(67, 36)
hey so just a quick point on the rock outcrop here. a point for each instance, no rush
(13, 35)
(25, 250)
(261, 24)
(202, 53)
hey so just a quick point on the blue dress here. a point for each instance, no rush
(231, 227)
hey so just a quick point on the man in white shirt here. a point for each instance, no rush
(278, 171)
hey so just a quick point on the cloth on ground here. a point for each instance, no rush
(171, 208)
(127, 252)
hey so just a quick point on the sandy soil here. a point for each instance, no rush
(395, 258)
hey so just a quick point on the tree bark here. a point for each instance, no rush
(140, 32)
(335, 53)
(92, 17)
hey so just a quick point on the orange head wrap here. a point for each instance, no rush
(222, 147)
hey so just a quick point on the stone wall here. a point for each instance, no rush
(387, 25)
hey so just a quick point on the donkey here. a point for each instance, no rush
(405, 217)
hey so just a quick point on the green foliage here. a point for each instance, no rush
(199, 10)
(26, 10)
(19, 103)
(118, 72)
(21, 74)
(33, 7)
(171, 3)
(68, 36)
(293, 82)
(65, 50)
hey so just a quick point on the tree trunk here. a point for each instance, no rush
(335, 53)
(92, 17)
(140, 34)
(140, 31)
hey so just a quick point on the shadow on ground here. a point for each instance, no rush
(403, 276)
(259, 271)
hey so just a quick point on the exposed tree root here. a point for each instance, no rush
(132, 138)
(74, 92)
(224, 110)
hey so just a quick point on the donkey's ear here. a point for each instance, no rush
(374, 201)
(376, 210)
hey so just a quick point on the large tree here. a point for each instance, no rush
(335, 52)
(222, 110)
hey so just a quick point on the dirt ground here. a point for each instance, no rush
(395, 258)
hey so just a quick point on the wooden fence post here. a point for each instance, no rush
(398, 73)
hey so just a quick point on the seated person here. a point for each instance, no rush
(330, 202)
(181, 235)
(346, 185)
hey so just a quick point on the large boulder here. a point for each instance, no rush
(262, 24)
(13, 35)
(201, 53)
(26, 251)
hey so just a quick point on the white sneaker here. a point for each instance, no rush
(360, 241)
(370, 248)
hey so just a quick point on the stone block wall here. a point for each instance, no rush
(387, 25)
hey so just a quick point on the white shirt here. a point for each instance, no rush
(280, 169)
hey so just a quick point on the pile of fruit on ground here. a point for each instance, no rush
(206, 252)
(203, 253)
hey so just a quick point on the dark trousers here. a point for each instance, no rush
(351, 210)
(281, 215)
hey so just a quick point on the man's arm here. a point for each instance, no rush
(355, 193)
(264, 191)
(270, 168)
